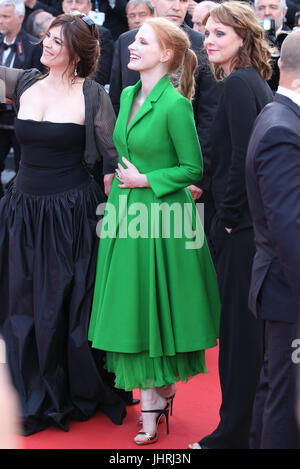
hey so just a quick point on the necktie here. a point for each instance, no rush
(11, 48)
(8, 46)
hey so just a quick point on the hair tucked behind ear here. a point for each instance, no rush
(171, 36)
(187, 81)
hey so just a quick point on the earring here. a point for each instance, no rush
(74, 75)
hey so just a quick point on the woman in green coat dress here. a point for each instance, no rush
(156, 303)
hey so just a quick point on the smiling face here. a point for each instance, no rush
(146, 52)
(55, 53)
(222, 44)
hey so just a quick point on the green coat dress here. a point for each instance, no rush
(156, 302)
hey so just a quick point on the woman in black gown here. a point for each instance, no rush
(48, 242)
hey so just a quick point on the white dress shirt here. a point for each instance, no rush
(290, 94)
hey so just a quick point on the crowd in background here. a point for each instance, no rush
(114, 19)
(117, 21)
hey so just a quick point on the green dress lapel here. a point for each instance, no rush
(146, 107)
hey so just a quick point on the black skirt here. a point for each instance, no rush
(48, 254)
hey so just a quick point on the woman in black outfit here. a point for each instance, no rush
(48, 242)
(236, 47)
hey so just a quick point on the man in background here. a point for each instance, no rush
(106, 41)
(38, 22)
(137, 11)
(276, 9)
(199, 12)
(272, 15)
(273, 183)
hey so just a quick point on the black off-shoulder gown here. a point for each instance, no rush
(48, 253)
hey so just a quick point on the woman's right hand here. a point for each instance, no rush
(130, 177)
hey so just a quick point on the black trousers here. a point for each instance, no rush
(209, 210)
(274, 417)
(241, 337)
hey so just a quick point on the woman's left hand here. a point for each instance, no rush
(195, 191)
(108, 179)
(130, 177)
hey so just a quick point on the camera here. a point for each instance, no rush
(268, 25)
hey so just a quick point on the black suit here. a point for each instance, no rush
(244, 94)
(106, 55)
(27, 56)
(53, 6)
(293, 8)
(115, 18)
(274, 80)
(121, 75)
(204, 103)
(273, 183)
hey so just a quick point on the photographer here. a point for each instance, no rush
(272, 14)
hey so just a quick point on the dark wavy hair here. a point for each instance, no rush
(255, 50)
(80, 42)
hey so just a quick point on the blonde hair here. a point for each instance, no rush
(255, 50)
(170, 36)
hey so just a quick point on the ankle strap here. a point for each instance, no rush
(157, 410)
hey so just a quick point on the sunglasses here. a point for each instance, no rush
(90, 23)
(87, 20)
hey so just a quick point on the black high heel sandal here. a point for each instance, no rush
(170, 400)
(153, 438)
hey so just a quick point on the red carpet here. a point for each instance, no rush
(195, 414)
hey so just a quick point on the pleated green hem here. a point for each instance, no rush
(138, 370)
